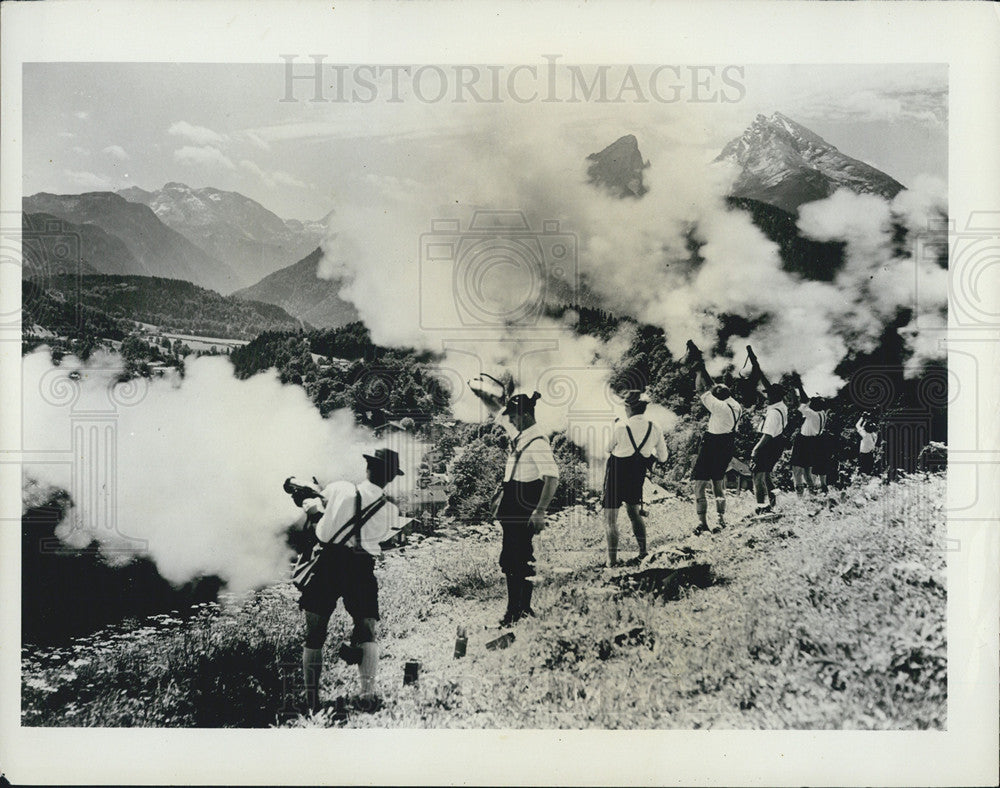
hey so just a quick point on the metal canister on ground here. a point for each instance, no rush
(411, 672)
(461, 643)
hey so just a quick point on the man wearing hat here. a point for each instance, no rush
(717, 445)
(351, 520)
(634, 443)
(529, 481)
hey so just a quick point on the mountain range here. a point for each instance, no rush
(153, 249)
(227, 242)
(784, 164)
(244, 235)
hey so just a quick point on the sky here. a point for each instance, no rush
(106, 126)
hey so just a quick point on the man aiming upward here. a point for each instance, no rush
(868, 431)
(771, 444)
(717, 443)
(809, 449)
(635, 443)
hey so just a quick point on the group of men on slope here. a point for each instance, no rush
(350, 521)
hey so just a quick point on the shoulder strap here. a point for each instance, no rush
(361, 516)
(638, 447)
(517, 454)
(782, 415)
(735, 416)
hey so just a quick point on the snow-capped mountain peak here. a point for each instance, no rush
(786, 164)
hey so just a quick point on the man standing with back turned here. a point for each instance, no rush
(351, 520)
(636, 441)
(764, 455)
(717, 443)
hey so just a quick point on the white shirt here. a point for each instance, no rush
(724, 413)
(868, 439)
(536, 460)
(775, 419)
(815, 421)
(339, 509)
(621, 446)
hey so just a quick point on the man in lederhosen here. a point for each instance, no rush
(866, 451)
(766, 452)
(717, 443)
(529, 482)
(350, 522)
(634, 443)
(809, 446)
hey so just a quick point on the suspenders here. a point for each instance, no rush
(735, 417)
(638, 447)
(517, 455)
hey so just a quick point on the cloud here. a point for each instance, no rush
(203, 156)
(80, 150)
(66, 135)
(272, 178)
(88, 180)
(199, 135)
(117, 151)
(288, 180)
(256, 140)
(81, 115)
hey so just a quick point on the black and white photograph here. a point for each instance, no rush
(541, 411)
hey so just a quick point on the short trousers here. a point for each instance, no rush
(767, 457)
(343, 574)
(714, 456)
(824, 463)
(805, 450)
(623, 480)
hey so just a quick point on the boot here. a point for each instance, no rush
(513, 601)
(525, 609)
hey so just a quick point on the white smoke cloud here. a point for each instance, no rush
(879, 278)
(633, 255)
(197, 463)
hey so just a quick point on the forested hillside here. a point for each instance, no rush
(172, 305)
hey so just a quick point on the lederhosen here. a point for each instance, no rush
(822, 460)
(768, 456)
(807, 450)
(341, 568)
(517, 502)
(715, 453)
(625, 476)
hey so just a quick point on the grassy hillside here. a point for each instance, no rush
(823, 619)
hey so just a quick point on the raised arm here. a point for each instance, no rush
(803, 397)
(755, 369)
(696, 362)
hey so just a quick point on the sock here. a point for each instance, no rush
(702, 506)
(720, 507)
(367, 668)
(639, 530)
(312, 668)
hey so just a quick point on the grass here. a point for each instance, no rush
(826, 618)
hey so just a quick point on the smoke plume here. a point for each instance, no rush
(187, 471)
